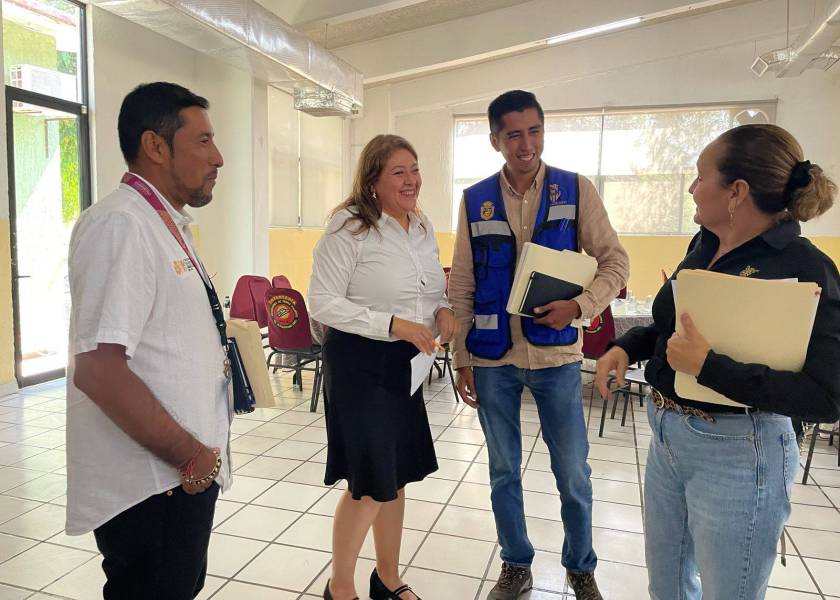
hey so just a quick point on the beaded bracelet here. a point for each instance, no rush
(207, 478)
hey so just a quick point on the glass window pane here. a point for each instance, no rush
(320, 167)
(648, 163)
(47, 204)
(41, 46)
(571, 142)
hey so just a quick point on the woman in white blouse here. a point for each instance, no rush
(378, 285)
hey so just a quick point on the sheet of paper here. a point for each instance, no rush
(420, 366)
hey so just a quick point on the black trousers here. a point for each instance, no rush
(158, 549)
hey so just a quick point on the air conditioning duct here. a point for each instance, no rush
(813, 49)
(246, 35)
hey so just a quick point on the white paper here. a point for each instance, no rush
(420, 366)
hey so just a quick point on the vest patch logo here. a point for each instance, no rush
(284, 314)
(488, 209)
(554, 194)
(748, 271)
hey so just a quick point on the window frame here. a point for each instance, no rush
(768, 106)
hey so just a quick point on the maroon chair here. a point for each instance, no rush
(242, 303)
(280, 281)
(258, 286)
(289, 335)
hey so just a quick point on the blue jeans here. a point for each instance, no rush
(717, 496)
(556, 391)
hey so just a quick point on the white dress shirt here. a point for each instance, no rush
(132, 285)
(360, 280)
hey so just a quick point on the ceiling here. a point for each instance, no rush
(335, 23)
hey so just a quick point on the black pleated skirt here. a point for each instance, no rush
(378, 436)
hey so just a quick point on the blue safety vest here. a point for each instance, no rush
(494, 259)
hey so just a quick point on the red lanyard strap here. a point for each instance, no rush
(142, 188)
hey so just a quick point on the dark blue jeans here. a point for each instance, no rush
(556, 391)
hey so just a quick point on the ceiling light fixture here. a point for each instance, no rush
(590, 31)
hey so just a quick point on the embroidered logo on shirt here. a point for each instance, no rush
(488, 209)
(748, 271)
(554, 194)
(182, 266)
(283, 312)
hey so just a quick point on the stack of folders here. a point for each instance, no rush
(544, 275)
(760, 321)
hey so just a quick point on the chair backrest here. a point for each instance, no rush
(288, 320)
(258, 286)
(280, 281)
(599, 333)
(242, 303)
(622, 293)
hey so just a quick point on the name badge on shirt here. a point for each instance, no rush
(182, 265)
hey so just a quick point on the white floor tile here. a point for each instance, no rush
(441, 586)
(793, 576)
(41, 565)
(453, 450)
(245, 489)
(431, 490)
(41, 523)
(258, 522)
(472, 495)
(295, 449)
(291, 496)
(236, 590)
(421, 515)
(11, 545)
(83, 583)
(300, 567)
(617, 516)
(268, 467)
(825, 572)
(228, 554)
(309, 531)
(467, 522)
(309, 473)
(816, 544)
(814, 517)
(453, 555)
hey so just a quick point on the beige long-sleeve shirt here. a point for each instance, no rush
(595, 236)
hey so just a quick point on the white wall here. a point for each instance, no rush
(126, 55)
(699, 59)
(227, 224)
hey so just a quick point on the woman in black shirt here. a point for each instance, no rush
(719, 478)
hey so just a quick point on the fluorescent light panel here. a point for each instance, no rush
(590, 31)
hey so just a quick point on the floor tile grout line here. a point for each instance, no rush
(805, 564)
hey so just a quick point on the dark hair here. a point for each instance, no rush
(153, 107)
(771, 161)
(367, 209)
(514, 100)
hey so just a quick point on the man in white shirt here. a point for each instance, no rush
(148, 415)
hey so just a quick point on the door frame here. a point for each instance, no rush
(80, 110)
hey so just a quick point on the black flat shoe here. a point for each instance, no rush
(378, 591)
(328, 595)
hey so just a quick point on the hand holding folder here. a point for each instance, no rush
(758, 321)
(544, 275)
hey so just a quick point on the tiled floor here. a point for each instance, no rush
(272, 531)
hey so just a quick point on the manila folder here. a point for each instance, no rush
(750, 320)
(572, 267)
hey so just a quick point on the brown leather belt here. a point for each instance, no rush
(663, 402)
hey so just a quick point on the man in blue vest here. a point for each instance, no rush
(497, 354)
